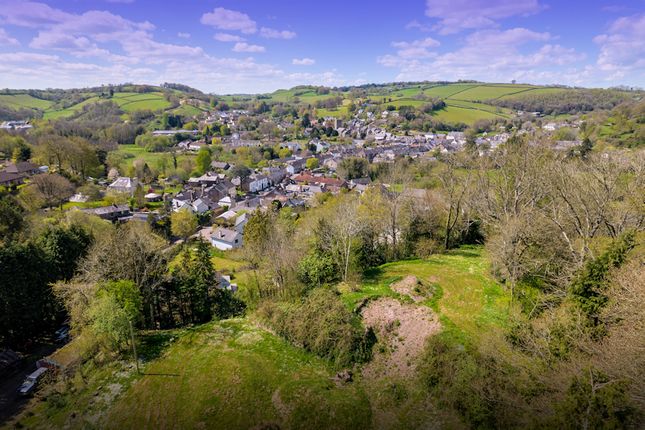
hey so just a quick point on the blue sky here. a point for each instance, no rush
(247, 46)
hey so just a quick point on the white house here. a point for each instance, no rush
(226, 239)
(124, 185)
(256, 183)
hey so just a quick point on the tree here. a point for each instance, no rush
(352, 168)
(455, 187)
(11, 217)
(337, 235)
(183, 223)
(115, 307)
(139, 196)
(312, 163)
(27, 306)
(53, 188)
(132, 252)
(203, 160)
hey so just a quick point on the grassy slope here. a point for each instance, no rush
(232, 374)
(127, 101)
(467, 297)
(23, 101)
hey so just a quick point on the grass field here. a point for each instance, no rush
(133, 152)
(128, 102)
(487, 92)
(466, 115)
(19, 101)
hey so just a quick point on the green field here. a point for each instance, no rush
(19, 101)
(128, 102)
(134, 152)
(488, 92)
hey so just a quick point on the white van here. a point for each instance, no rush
(30, 382)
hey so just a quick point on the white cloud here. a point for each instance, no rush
(416, 25)
(457, 15)
(246, 47)
(489, 55)
(416, 48)
(127, 52)
(31, 14)
(183, 35)
(622, 47)
(303, 61)
(6, 40)
(226, 37)
(226, 19)
(270, 33)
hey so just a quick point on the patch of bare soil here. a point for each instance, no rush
(402, 330)
(409, 286)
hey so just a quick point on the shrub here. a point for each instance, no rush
(588, 288)
(321, 324)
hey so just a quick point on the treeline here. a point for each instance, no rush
(72, 265)
(572, 101)
(557, 228)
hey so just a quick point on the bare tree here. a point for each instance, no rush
(53, 188)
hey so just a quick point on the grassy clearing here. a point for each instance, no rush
(466, 297)
(134, 152)
(234, 375)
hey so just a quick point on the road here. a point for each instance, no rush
(11, 403)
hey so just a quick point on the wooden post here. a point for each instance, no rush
(134, 347)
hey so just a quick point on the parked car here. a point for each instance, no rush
(31, 381)
(62, 334)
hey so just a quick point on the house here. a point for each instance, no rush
(10, 179)
(331, 163)
(255, 183)
(226, 201)
(240, 222)
(226, 239)
(220, 165)
(293, 146)
(110, 213)
(189, 145)
(124, 185)
(228, 215)
(226, 284)
(275, 174)
(24, 168)
(15, 125)
(321, 145)
(296, 166)
(79, 198)
(152, 197)
(173, 132)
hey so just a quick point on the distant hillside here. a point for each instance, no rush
(461, 102)
(53, 104)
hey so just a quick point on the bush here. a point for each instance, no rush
(588, 289)
(321, 324)
(479, 388)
